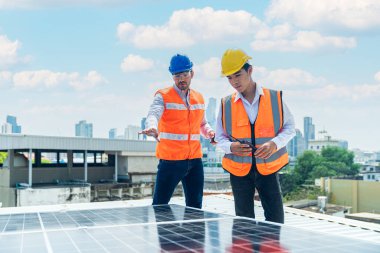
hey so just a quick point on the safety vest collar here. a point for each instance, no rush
(259, 92)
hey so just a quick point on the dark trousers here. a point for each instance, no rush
(170, 173)
(269, 191)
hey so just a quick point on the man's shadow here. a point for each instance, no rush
(252, 236)
(180, 235)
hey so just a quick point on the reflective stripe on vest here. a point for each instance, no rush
(275, 110)
(195, 137)
(174, 106)
(248, 159)
(227, 115)
(180, 137)
(197, 107)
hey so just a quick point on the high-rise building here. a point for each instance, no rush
(12, 120)
(210, 112)
(132, 132)
(83, 129)
(211, 119)
(6, 128)
(112, 133)
(308, 130)
(143, 120)
(296, 146)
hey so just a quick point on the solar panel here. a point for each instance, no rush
(164, 228)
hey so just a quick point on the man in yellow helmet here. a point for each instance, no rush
(253, 128)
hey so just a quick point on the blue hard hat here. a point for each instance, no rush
(180, 63)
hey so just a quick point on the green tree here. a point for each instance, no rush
(3, 156)
(338, 154)
(288, 181)
(322, 171)
(340, 160)
(305, 165)
(333, 161)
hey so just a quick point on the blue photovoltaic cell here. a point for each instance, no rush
(166, 228)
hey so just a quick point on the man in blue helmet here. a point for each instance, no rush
(176, 119)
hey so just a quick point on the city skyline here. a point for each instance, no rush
(64, 61)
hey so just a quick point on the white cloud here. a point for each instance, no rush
(136, 63)
(209, 69)
(8, 52)
(298, 84)
(377, 76)
(352, 14)
(208, 80)
(187, 27)
(5, 78)
(286, 78)
(32, 79)
(303, 86)
(91, 80)
(275, 32)
(153, 36)
(49, 79)
(301, 41)
(341, 93)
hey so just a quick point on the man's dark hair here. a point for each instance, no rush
(246, 66)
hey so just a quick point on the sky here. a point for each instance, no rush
(102, 60)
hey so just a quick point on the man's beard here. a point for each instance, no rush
(183, 85)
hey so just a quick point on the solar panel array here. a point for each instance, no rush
(165, 228)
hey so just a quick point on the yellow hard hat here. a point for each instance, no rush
(233, 60)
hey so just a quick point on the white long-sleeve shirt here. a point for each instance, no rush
(283, 137)
(157, 109)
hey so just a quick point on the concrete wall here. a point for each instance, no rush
(8, 196)
(142, 164)
(51, 196)
(4, 177)
(99, 173)
(368, 196)
(340, 192)
(362, 196)
(143, 178)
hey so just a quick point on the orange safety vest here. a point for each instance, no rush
(268, 123)
(179, 126)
